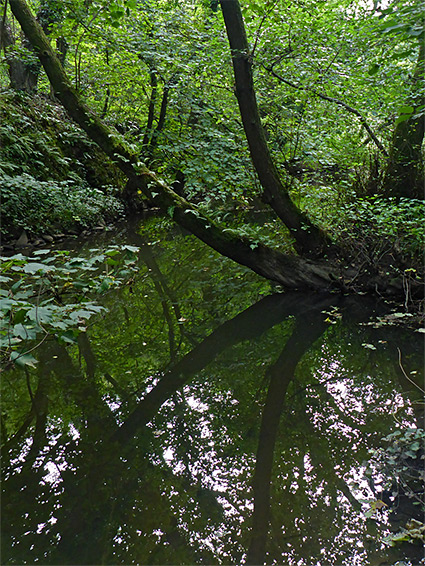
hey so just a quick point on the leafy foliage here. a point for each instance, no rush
(51, 177)
(400, 467)
(45, 206)
(386, 225)
(48, 294)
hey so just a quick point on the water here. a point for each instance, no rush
(207, 420)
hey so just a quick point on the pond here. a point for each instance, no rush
(208, 419)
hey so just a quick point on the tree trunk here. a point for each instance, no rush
(404, 176)
(308, 237)
(22, 75)
(290, 271)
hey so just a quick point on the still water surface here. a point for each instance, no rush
(207, 419)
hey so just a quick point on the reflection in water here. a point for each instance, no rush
(191, 426)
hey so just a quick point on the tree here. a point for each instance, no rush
(404, 175)
(289, 270)
(307, 236)
(24, 69)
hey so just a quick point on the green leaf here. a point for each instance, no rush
(69, 337)
(105, 285)
(407, 110)
(24, 332)
(20, 315)
(374, 69)
(40, 314)
(402, 118)
(133, 249)
(16, 285)
(23, 360)
(34, 267)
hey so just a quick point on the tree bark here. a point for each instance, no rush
(22, 75)
(308, 237)
(290, 271)
(404, 176)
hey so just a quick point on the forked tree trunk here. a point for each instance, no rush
(308, 237)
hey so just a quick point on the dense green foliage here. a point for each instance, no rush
(325, 75)
(52, 178)
(52, 206)
(51, 295)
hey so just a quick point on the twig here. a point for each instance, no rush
(405, 374)
(335, 101)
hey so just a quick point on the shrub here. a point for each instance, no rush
(385, 225)
(43, 206)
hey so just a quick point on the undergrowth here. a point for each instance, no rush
(46, 206)
(52, 177)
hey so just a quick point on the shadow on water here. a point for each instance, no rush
(190, 426)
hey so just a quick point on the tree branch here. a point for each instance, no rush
(335, 101)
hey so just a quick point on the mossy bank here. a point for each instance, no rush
(53, 179)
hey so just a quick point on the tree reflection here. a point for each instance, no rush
(237, 450)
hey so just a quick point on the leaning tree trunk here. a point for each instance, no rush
(404, 176)
(308, 237)
(290, 271)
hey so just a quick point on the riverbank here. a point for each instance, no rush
(54, 181)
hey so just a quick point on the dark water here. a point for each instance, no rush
(206, 420)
